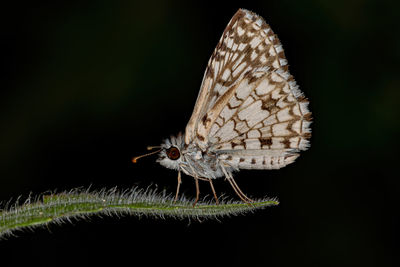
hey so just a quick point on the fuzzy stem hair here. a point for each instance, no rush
(57, 208)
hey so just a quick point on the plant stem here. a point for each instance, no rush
(78, 203)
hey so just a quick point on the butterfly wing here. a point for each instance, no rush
(229, 62)
(264, 125)
(249, 108)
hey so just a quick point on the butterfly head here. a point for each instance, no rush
(171, 152)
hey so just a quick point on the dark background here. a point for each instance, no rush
(87, 85)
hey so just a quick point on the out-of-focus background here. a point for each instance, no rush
(87, 85)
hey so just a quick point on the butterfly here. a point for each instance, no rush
(249, 113)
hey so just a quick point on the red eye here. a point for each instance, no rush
(173, 153)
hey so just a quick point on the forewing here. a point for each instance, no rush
(246, 45)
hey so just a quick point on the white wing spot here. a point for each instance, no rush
(264, 87)
(235, 56)
(234, 102)
(296, 126)
(243, 90)
(255, 42)
(253, 55)
(253, 144)
(278, 48)
(283, 62)
(276, 78)
(296, 110)
(253, 134)
(253, 114)
(280, 129)
(250, 34)
(227, 113)
(240, 31)
(229, 42)
(248, 15)
(283, 115)
(275, 94)
(242, 46)
(272, 38)
(226, 74)
(263, 59)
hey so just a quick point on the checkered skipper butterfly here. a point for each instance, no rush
(249, 113)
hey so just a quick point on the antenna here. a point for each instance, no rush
(134, 160)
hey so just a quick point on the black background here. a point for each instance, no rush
(87, 85)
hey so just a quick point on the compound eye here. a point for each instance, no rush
(173, 153)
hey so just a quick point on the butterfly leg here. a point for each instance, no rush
(178, 186)
(215, 194)
(235, 187)
(196, 180)
(238, 191)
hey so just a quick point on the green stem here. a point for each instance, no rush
(61, 207)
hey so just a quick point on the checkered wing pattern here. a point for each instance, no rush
(249, 109)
